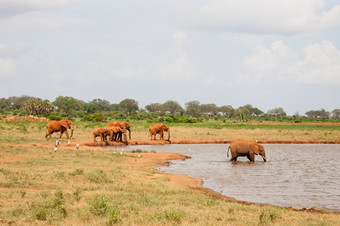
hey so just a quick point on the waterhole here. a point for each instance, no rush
(296, 175)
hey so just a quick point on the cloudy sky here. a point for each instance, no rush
(267, 53)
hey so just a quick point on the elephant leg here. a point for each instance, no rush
(61, 133)
(251, 157)
(66, 134)
(233, 157)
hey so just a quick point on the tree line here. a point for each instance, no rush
(65, 106)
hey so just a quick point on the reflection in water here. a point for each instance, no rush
(301, 176)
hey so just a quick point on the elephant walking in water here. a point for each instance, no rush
(246, 148)
(155, 129)
(59, 126)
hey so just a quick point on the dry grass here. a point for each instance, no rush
(98, 187)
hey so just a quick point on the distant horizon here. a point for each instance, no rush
(182, 105)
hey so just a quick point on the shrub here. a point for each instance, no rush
(55, 117)
(98, 204)
(98, 176)
(113, 214)
(267, 216)
(49, 207)
(172, 215)
(169, 119)
(96, 117)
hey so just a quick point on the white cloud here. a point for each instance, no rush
(263, 16)
(7, 67)
(14, 7)
(174, 64)
(320, 64)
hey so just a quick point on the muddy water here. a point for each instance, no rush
(297, 175)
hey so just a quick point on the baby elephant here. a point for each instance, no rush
(99, 132)
(246, 148)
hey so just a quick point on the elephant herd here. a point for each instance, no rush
(116, 131)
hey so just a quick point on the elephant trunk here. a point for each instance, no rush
(264, 158)
(71, 132)
(125, 139)
(169, 135)
(129, 134)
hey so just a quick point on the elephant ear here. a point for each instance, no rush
(255, 148)
(64, 124)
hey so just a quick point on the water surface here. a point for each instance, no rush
(297, 175)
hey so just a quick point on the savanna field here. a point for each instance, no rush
(94, 186)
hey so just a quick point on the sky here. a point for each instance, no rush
(267, 53)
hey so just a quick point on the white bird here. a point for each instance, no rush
(57, 143)
(138, 156)
(77, 146)
(55, 149)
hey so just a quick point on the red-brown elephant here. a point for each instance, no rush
(246, 148)
(99, 132)
(122, 125)
(155, 129)
(59, 126)
(116, 133)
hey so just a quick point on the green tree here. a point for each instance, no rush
(5, 104)
(67, 104)
(171, 106)
(37, 106)
(210, 109)
(336, 113)
(103, 105)
(244, 111)
(90, 108)
(129, 106)
(322, 113)
(154, 107)
(18, 102)
(227, 110)
(193, 108)
(278, 112)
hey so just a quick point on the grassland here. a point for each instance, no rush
(93, 186)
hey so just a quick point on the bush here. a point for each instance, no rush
(98, 176)
(169, 119)
(96, 117)
(98, 204)
(113, 214)
(55, 117)
(47, 208)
